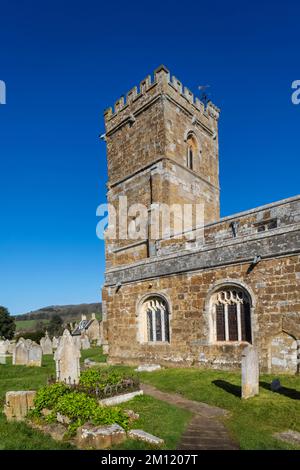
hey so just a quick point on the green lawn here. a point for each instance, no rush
(95, 354)
(28, 325)
(159, 418)
(18, 436)
(252, 421)
(169, 422)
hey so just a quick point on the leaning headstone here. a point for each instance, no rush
(144, 436)
(290, 436)
(35, 355)
(67, 358)
(85, 342)
(250, 372)
(46, 344)
(17, 404)
(276, 385)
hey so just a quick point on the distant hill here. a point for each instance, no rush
(67, 312)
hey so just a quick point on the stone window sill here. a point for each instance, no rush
(233, 343)
(156, 343)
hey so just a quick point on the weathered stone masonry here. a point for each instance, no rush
(251, 259)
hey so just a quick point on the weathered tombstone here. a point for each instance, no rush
(55, 342)
(2, 359)
(4, 345)
(85, 342)
(17, 404)
(67, 358)
(148, 367)
(20, 353)
(77, 341)
(250, 372)
(90, 436)
(46, 344)
(276, 385)
(11, 347)
(27, 353)
(35, 355)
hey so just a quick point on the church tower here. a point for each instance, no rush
(162, 148)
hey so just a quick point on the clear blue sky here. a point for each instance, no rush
(64, 62)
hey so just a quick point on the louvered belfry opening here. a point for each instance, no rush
(232, 315)
(157, 315)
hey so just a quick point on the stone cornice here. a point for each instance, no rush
(282, 243)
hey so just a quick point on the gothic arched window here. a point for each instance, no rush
(154, 320)
(190, 158)
(232, 315)
(191, 152)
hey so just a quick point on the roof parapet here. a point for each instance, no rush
(161, 75)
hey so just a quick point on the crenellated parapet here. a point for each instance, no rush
(151, 87)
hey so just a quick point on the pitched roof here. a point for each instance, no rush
(82, 326)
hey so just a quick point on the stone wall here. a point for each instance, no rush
(146, 139)
(258, 250)
(274, 288)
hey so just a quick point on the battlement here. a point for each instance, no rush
(161, 77)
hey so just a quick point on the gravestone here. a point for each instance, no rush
(67, 358)
(250, 372)
(90, 436)
(144, 436)
(17, 404)
(85, 342)
(148, 368)
(27, 353)
(55, 342)
(2, 359)
(77, 341)
(46, 344)
(20, 353)
(4, 345)
(35, 355)
(11, 347)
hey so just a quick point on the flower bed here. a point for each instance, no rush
(80, 403)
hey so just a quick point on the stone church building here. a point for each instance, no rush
(186, 300)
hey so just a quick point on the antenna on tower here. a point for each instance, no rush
(204, 97)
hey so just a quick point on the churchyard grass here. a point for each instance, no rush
(252, 422)
(18, 436)
(159, 418)
(95, 354)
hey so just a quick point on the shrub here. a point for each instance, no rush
(98, 377)
(76, 406)
(81, 408)
(33, 335)
(48, 396)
